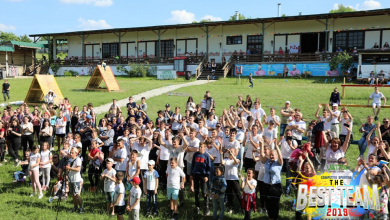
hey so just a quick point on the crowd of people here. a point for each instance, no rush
(238, 156)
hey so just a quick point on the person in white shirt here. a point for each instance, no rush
(150, 187)
(45, 165)
(251, 142)
(248, 185)
(231, 143)
(270, 135)
(335, 119)
(118, 203)
(326, 116)
(75, 179)
(133, 204)
(33, 169)
(345, 119)
(176, 120)
(60, 126)
(274, 118)
(174, 174)
(211, 123)
(108, 176)
(193, 146)
(163, 157)
(143, 145)
(287, 145)
(202, 131)
(257, 112)
(298, 127)
(120, 157)
(376, 101)
(231, 175)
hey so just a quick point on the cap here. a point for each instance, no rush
(167, 105)
(89, 117)
(50, 90)
(288, 102)
(136, 180)
(151, 162)
(335, 104)
(110, 160)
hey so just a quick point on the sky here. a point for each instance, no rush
(53, 16)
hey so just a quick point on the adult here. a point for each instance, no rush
(49, 97)
(210, 103)
(346, 120)
(334, 97)
(380, 78)
(86, 129)
(60, 126)
(285, 71)
(376, 45)
(386, 45)
(385, 130)
(6, 88)
(285, 112)
(287, 145)
(190, 105)
(366, 129)
(298, 127)
(27, 134)
(335, 119)
(114, 109)
(131, 104)
(15, 133)
(376, 101)
(251, 143)
(334, 149)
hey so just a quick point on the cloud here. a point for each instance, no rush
(4, 27)
(370, 5)
(99, 3)
(92, 24)
(211, 18)
(180, 17)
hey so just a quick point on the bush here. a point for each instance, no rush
(54, 67)
(136, 69)
(70, 73)
(343, 61)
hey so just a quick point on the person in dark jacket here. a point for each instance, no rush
(335, 97)
(218, 188)
(200, 171)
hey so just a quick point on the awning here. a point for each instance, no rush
(7, 48)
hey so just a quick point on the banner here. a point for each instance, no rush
(366, 70)
(166, 74)
(314, 69)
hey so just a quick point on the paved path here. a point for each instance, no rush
(149, 94)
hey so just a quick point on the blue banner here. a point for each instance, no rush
(314, 69)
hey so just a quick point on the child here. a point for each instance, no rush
(218, 188)
(45, 165)
(75, 179)
(134, 199)
(65, 156)
(173, 179)
(109, 183)
(233, 185)
(384, 183)
(250, 80)
(118, 202)
(150, 187)
(200, 172)
(69, 139)
(248, 201)
(132, 168)
(20, 176)
(34, 160)
(94, 165)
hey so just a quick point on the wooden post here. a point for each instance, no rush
(343, 95)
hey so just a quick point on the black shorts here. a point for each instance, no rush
(120, 210)
(60, 135)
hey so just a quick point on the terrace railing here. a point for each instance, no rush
(199, 69)
(288, 58)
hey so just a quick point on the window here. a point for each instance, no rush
(254, 43)
(109, 50)
(346, 40)
(166, 48)
(234, 40)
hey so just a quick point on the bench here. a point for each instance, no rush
(361, 85)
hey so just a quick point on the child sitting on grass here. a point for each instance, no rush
(150, 187)
(134, 199)
(118, 202)
(20, 176)
(108, 176)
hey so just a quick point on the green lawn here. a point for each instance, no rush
(303, 94)
(74, 89)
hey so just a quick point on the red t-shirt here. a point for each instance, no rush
(93, 152)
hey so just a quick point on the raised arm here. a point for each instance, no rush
(346, 142)
(318, 110)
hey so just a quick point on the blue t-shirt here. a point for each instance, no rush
(272, 172)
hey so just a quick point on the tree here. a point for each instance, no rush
(341, 8)
(240, 17)
(25, 38)
(343, 61)
(284, 15)
(202, 21)
(8, 36)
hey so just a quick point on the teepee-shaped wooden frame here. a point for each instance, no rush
(98, 75)
(40, 86)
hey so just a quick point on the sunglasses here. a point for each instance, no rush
(385, 121)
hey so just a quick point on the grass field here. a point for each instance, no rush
(303, 93)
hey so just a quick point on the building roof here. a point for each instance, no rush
(26, 44)
(7, 48)
(376, 12)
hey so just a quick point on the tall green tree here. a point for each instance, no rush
(341, 8)
(25, 38)
(7, 36)
(240, 17)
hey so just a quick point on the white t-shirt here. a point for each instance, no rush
(254, 113)
(343, 121)
(376, 97)
(174, 177)
(143, 154)
(178, 153)
(213, 152)
(164, 152)
(45, 156)
(240, 135)
(175, 124)
(135, 193)
(301, 125)
(231, 169)
(150, 177)
(34, 160)
(191, 143)
(261, 170)
(255, 139)
(120, 154)
(363, 178)
(229, 145)
(335, 118)
(109, 185)
(74, 176)
(61, 122)
(277, 118)
(253, 182)
(327, 122)
(285, 148)
(211, 124)
(193, 125)
(270, 135)
(332, 156)
(29, 125)
(120, 189)
(202, 131)
(371, 150)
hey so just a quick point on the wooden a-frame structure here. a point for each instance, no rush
(98, 75)
(40, 86)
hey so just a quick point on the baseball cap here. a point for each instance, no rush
(110, 160)
(167, 105)
(335, 104)
(288, 102)
(136, 180)
(151, 162)
(89, 117)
